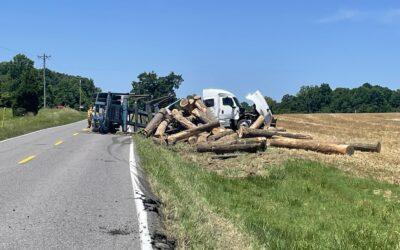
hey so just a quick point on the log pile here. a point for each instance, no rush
(192, 123)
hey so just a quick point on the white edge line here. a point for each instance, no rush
(37, 131)
(145, 239)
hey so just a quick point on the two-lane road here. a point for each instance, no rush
(67, 188)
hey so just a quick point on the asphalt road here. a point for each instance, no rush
(67, 188)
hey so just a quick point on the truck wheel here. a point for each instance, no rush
(244, 123)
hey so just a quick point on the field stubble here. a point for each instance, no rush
(335, 128)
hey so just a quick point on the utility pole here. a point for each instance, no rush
(44, 57)
(80, 94)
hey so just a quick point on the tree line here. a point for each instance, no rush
(322, 99)
(310, 99)
(21, 87)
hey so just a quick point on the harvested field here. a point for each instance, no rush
(335, 128)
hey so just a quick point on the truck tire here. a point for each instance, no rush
(244, 123)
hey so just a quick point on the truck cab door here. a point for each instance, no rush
(226, 111)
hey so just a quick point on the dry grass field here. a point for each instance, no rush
(337, 128)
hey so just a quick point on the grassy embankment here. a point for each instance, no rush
(14, 126)
(299, 204)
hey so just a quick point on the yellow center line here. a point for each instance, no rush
(75, 134)
(25, 160)
(58, 143)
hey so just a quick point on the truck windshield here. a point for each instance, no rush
(236, 102)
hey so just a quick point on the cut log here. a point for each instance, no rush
(229, 137)
(327, 148)
(203, 137)
(221, 134)
(294, 135)
(191, 118)
(252, 132)
(162, 127)
(367, 147)
(199, 104)
(153, 124)
(201, 115)
(218, 130)
(229, 148)
(258, 123)
(255, 140)
(184, 103)
(181, 119)
(192, 140)
(190, 132)
(275, 129)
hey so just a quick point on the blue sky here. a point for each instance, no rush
(273, 46)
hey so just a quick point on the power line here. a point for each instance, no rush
(44, 57)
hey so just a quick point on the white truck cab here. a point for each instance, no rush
(226, 107)
(223, 104)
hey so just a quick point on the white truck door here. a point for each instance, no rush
(226, 109)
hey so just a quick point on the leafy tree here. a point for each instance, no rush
(21, 87)
(246, 106)
(273, 105)
(26, 97)
(157, 86)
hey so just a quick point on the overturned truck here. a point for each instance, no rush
(118, 111)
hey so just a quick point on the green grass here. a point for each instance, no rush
(299, 205)
(14, 126)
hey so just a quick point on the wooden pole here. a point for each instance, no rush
(221, 134)
(203, 137)
(190, 132)
(367, 147)
(162, 127)
(153, 124)
(327, 148)
(181, 119)
(257, 123)
(192, 140)
(230, 148)
(199, 104)
(252, 132)
(201, 115)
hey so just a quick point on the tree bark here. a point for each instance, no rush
(201, 115)
(278, 129)
(251, 132)
(190, 132)
(153, 124)
(294, 135)
(203, 137)
(229, 137)
(257, 123)
(199, 104)
(221, 134)
(181, 119)
(229, 148)
(183, 103)
(192, 140)
(326, 148)
(162, 127)
(367, 147)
